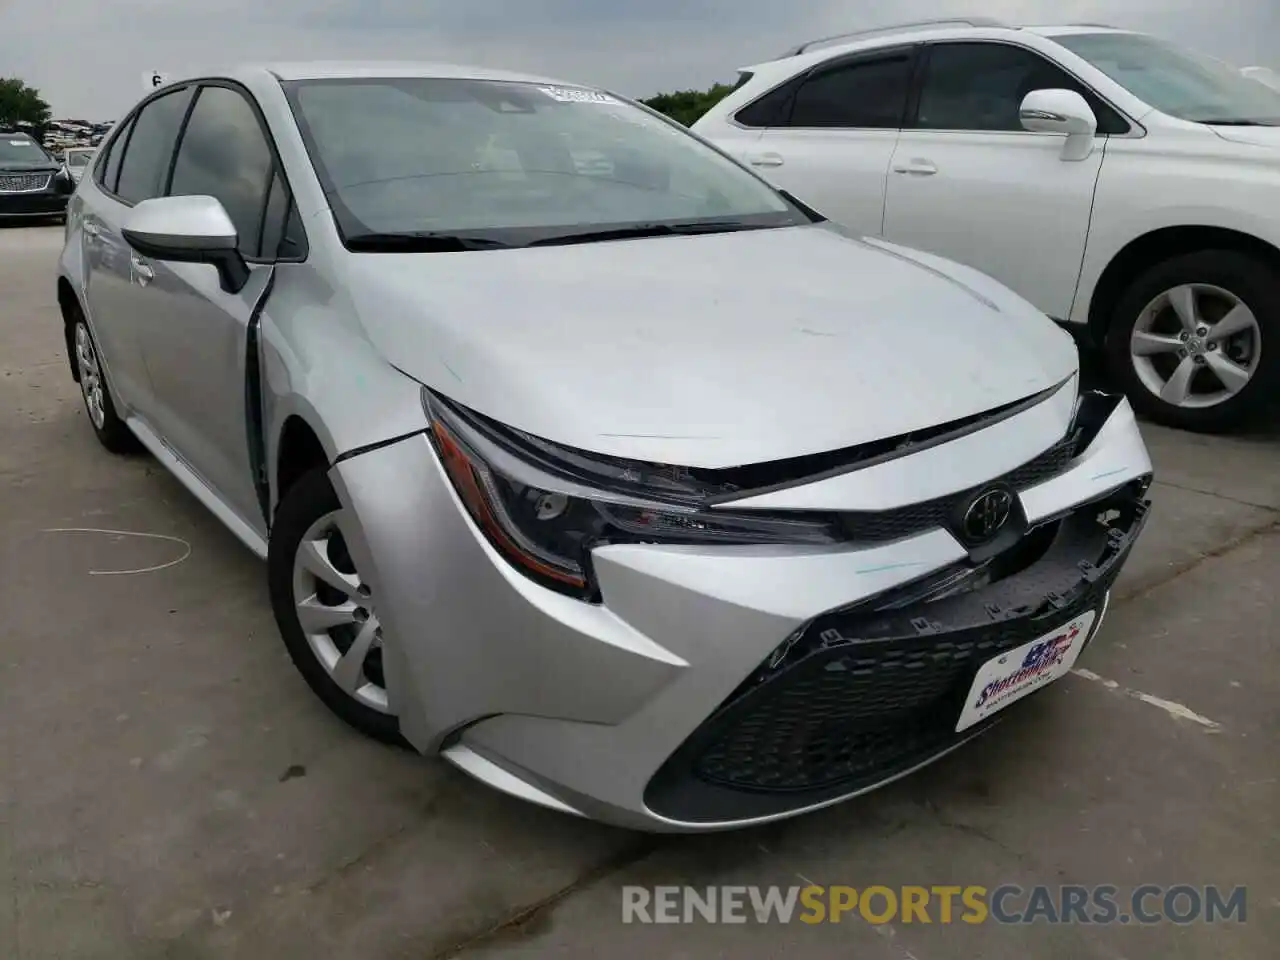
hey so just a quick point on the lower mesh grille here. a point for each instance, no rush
(863, 695)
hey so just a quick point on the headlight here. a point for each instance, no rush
(544, 507)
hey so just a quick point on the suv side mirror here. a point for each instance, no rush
(188, 230)
(1064, 112)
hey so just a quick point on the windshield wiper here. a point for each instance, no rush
(1237, 122)
(640, 230)
(421, 242)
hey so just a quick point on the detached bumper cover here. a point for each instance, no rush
(864, 695)
(715, 687)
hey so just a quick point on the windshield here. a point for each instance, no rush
(514, 163)
(1176, 81)
(19, 148)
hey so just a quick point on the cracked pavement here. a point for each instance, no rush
(169, 788)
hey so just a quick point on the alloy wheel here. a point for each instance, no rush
(1196, 346)
(90, 376)
(335, 610)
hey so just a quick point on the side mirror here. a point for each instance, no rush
(1063, 112)
(188, 230)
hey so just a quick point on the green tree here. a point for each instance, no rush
(686, 106)
(22, 106)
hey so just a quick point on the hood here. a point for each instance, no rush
(1254, 136)
(708, 351)
(38, 166)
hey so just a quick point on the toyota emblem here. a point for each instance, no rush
(987, 515)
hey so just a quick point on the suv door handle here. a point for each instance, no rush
(765, 159)
(917, 166)
(143, 271)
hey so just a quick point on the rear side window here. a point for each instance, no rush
(981, 86)
(108, 168)
(147, 155)
(866, 93)
(773, 109)
(224, 154)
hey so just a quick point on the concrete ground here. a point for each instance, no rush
(169, 788)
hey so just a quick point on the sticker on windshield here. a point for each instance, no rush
(577, 95)
(19, 143)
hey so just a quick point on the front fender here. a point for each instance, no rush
(317, 365)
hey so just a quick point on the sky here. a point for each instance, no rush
(88, 57)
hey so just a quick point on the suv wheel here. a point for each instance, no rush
(326, 613)
(110, 430)
(1195, 341)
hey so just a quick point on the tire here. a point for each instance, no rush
(1142, 348)
(310, 505)
(111, 431)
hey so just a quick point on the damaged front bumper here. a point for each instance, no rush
(714, 686)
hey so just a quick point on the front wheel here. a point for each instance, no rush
(1195, 341)
(326, 613)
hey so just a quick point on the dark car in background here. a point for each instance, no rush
(32, 183)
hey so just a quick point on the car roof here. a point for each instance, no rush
(339, 69)
(818, 51)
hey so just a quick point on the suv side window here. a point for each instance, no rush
(149, 150)
(108, 167)
(224, 154)
(870, 92)
(980, 86)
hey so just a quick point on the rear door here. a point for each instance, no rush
(834, 147)
(134, 169)
(969, 183)
(194, 333)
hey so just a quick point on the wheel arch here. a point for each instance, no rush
(298, 450)
(1156, 247)
(69, 305)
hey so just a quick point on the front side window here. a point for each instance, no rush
(1177, 81)
(517, 162)
(224, 154)
(145, 164)
(864, 94)
(981, 86)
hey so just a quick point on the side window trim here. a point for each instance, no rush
(103, 159)
(911, 120)
(277, 165)
(127, 135)
(912, 52)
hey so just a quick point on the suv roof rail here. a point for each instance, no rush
(1100, 26)
(895, 27)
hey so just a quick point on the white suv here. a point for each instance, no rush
(1127, 187)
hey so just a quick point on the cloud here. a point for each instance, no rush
(88, 56)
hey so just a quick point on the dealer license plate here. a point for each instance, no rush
(1011, 676)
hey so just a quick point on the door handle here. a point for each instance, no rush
(142, 270)
(765, 160)
(916, 167)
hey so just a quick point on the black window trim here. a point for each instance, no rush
(912, 50)
(277, 165)
(922, 66)
(130, 119)
(125, 129)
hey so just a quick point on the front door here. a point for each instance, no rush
(968, 183)
(195, 334)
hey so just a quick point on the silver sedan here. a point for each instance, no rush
(579, 455)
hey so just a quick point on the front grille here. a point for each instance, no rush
(902, 522)
(862, 695)
(24, 182)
